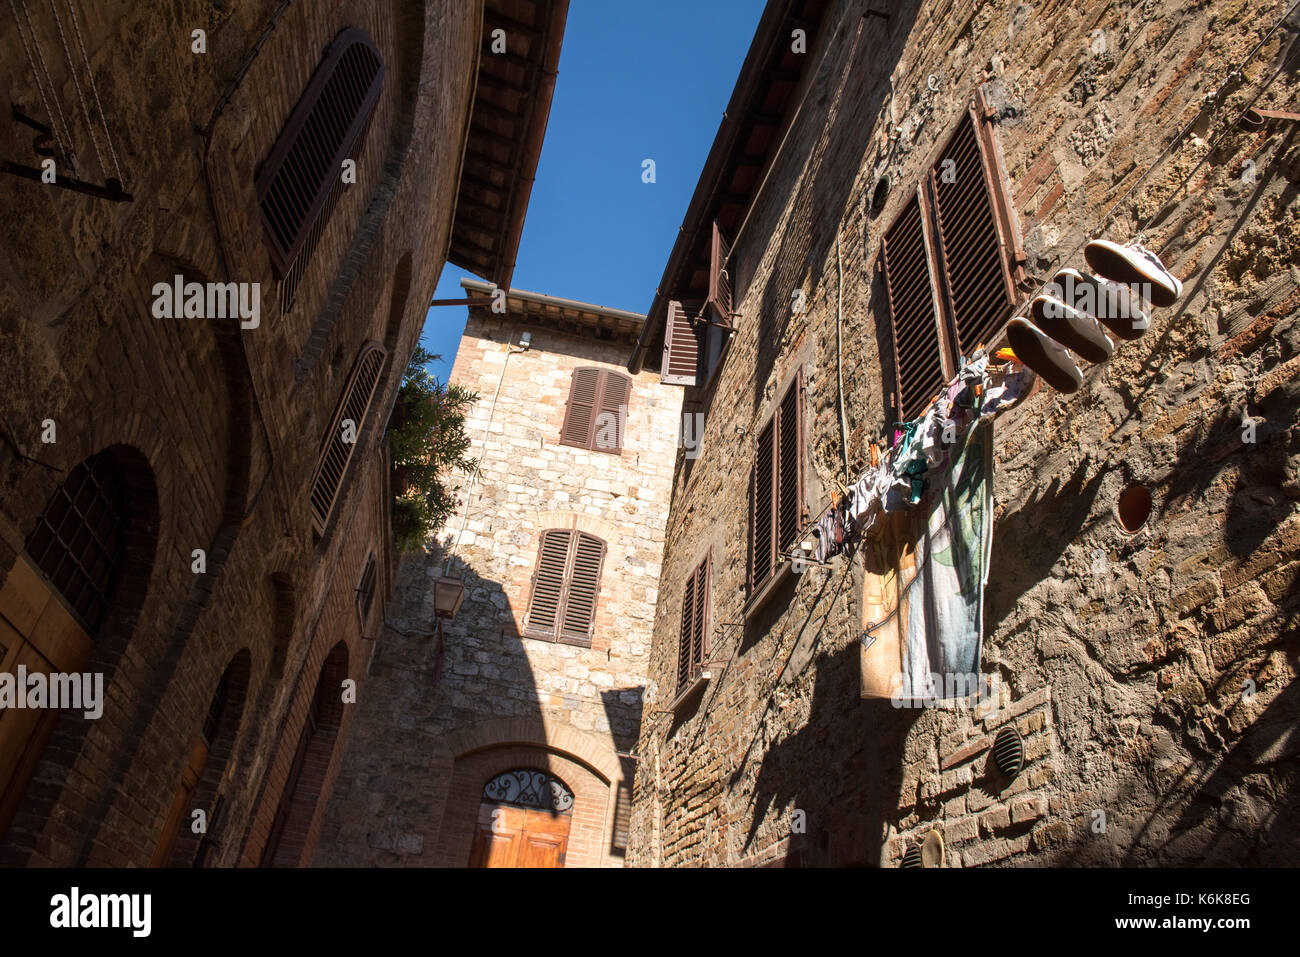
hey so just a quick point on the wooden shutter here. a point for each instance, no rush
(582, 589)
(548, 585)
(695, 623)
(699, 627)
(789, 497)
(776, 491)
(335, 454)
(300, 181)
(566, 584)
(684, 636)
(614, 391)
(593, 418)
(584, 393)
(918, 366)
(681, 357)
(719, 277)
(763, 484)
(973, 252)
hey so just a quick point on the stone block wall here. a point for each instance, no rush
(407, 797)
(1161, 663)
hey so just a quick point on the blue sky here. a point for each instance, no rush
(636, 81)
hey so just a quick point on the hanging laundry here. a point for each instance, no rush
(941, 606)
(1007, 387)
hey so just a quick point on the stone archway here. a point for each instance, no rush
(588, 767)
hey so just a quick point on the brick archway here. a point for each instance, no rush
(588, 765)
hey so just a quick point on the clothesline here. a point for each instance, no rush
(897, 477)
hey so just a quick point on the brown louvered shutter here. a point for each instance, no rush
(581, 589)
(918, 366)
(607, 436)
(584, 392)
(973, 253)
(762, 486)
(332, 465)
(789, 497)
(300, 181)
(684, 637)
(700, 625)
(681, 357)
(719, 276)
(544, 605)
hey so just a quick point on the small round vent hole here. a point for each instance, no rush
(880, 195)
(1134, 508)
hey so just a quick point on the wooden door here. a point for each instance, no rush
(519, 837)
(38, 632)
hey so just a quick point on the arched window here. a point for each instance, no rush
(523, 821)
(302, 791)
(344, 434)
(566, 584)
(597, 411)
(85, 561)
(77, 539)
(528, 788)
(301, 180)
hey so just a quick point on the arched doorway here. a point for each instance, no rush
(92, 542)
(523, 821)
(179, 844)
(301, 794)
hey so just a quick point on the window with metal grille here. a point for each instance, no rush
(566, 584)
(952, 261)
(597, 410)
(366, 590)
(777, 507)
(77, 541)
(300, 182)
(693, 638)
(344, 434)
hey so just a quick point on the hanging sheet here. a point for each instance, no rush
(923, 604)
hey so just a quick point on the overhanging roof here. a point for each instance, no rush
(564, 315)
(747, 139)
(512, 102)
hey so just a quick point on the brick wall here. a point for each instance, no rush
(228, 420)
(1135, 672)
(406, 796)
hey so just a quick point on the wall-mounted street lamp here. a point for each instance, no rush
(448, 593)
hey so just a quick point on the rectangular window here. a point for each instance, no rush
(366, 590)
(566, 584)
(951, 262)
(597, 410)
(777, 506)
(695, 624)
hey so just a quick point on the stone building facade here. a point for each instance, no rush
(233, 471)
(1150, 669)
(452, 708)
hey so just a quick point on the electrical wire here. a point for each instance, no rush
(478, 466)
(62, 138)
